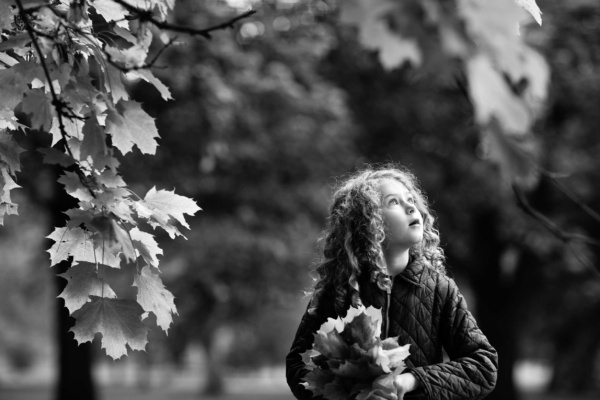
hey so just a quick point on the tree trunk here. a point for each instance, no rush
(495, 302)
(74, 362)
(575, 363)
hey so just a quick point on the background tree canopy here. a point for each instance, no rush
(267, 114)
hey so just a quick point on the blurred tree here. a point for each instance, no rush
(424, 121)
(255, 134)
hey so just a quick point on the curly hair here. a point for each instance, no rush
(354, 234)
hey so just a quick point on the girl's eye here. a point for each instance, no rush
(393, 201)
(411, 200)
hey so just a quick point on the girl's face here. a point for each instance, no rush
(403, 221)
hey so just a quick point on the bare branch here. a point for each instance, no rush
(146, 16)
(572, 196)
(565, 237)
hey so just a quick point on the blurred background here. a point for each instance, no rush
(265, 117)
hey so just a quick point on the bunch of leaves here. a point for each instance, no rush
(64, 68)
(348, 358)
(504, 78)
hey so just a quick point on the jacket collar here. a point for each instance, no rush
(413, 273)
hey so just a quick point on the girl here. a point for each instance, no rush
(381, 249)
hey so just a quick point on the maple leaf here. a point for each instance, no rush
(130, 125)
(73, 128)
(131, 57)
(79, 244)
(94, 142)
(154, 297)
(12, 87)
(118, 321)
(331, 345)
(8, 120)
(161, 206)
(111, 179)
(37, 104)
(114, 83)
(54, 156)
(532, 8)
(83, 282)
(110, 10)
(15, 42)
(6, 14)
(147, 75)
(492, 97)
(6, 185)
(335, 391)
(374, 32)
(10, 151)
(145, 244)
(115, 238)
(8, 60)
(74, 187)
(316, 379)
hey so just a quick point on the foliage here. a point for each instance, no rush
(63, 70)
(348, 358)
(506, 79)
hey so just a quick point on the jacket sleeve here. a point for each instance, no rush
(295, 367)
(472, 369)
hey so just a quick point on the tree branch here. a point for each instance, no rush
(146, 16)
(59, 105)
(572, 196)
(565, 237)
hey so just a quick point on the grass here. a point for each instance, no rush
(133, 394)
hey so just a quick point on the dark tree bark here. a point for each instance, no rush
(74, 362)
(495, 302)
(39, 180)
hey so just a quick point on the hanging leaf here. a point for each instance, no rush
(37, 104)
(149, 77)
(83, 282)
(6, 185)
(114, 83)
(154, 298)
(78, 243)
(129, 125)
(162, 208)
(6, 14)
(9, 152)
(374, 32)
(492, 97)
(74, 187)
(145, 244)
(532, 8)
(53, 156)
(118, 321)
(94, 142)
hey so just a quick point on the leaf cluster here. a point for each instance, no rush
(348, 359)
(64, 66)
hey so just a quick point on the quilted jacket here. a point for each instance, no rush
(425, 309)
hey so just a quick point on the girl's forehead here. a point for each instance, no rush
(389, 186)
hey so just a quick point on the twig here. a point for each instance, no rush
(146, 16)
(59, 104)
(573, 197)
(565, 237)
(149, 65)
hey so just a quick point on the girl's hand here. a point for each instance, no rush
(405, 383)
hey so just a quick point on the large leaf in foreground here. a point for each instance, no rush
(83, 282)
(119, 322)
